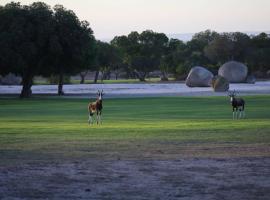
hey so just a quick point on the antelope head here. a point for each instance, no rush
(100, 94)
(232, 95)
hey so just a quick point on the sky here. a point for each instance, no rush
(109, 18)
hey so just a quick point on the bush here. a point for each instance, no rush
(181, 72)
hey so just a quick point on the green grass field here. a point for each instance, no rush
(56, 129)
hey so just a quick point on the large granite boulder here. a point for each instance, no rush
(199, 77)
(10, 79)
(220, 84)
(234, 72)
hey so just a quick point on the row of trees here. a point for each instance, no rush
(148, 51)
(40, 40)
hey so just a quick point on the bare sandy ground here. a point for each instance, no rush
(137, 90)
(189, 178)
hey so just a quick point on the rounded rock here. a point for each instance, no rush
(199, 77)
(234, 72)
(220, 84)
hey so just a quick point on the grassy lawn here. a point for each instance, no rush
(49, 129)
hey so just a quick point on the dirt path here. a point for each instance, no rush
(243, 178)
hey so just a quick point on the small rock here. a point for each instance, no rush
(251, 79)
(220, 84)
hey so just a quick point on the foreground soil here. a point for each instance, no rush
(187, 178)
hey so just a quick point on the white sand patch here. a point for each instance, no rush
(140, 89)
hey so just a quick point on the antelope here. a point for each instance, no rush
(96, 107)
(238, 104)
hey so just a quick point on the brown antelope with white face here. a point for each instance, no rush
(238, 105)
(96, 107)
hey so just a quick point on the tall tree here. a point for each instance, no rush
(108, 58)
(258, 56)
(195, 48)
(38, 40)
(172, 58)
(241, 46)
(142, 52)
(228, 46)
(24, 39)
(72, 45)
(220, 49)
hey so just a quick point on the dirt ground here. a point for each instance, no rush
(187, 178)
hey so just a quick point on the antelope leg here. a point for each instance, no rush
(90, 120)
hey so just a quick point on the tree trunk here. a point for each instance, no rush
(141, 76)
(60, 84)
(82, 79)
(142, 79)
(164, 76)
(96, 76)
(27, 83)
(83, 75)
(102, 76)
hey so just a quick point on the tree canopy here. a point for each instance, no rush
(36, 39)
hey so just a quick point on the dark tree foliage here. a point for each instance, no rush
(228, 46)
(142, 52)
(107, 58)
(220, 49)
(195, 48)
(37, 40)
(71, 45)
(258, 56)
(24, 38)
(151, 51)
(173, 57)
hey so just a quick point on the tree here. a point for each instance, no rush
(88, 50)
(124, 48)
(36, 40)
(107, 58)
(142, 52)
(220, 49)
(228, 46)
(241, 46)
(258, 56)
(195, 48)
(72, 45)
(24, 38)
(172, 58)
(204, 38)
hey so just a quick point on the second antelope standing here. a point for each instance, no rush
(238, 106)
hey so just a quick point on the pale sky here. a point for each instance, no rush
(109, 18)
